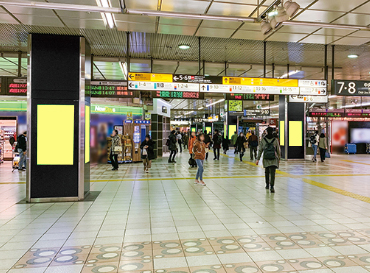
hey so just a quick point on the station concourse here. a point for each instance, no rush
(96, 95)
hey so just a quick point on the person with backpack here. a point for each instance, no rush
(240, 145)
(22, 150)
(217, 140)
(253, 144)
(322, 147)
(270, 148)
(172, 145)
(314, 139)
(234, 137)
(225, 144)
(147, 153)
(199, 149)
(207, 141)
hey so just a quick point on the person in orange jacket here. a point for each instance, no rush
(191, 143)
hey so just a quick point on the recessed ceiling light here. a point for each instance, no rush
(184, 46)
(352, 56)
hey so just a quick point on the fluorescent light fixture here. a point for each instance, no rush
(352, 56)
(124, 69)
(272, 13)
(213, 103)
(183, 46)
(356, 105)
(290, 74)
(332, 96)
(200, 108)
(271, 107)
(108, 18)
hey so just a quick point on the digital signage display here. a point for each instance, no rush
(16, 86)
(255, 97)
(177, 95)
(111, 89)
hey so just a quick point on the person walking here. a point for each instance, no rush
(225, 144)
(253, 144)
(217, 140)
(234, 137)
(191, 143)
(199, 155)
(116, 148)
(207, 141)
(315, 139)
(322, 146)
(179, 140)
(185, 140)
(172, 146)
(240, 145)
(270, 148)
(22, 150)
(147, 153)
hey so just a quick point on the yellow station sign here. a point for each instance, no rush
(260, 81)
(149, 77)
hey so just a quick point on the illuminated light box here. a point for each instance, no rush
(87, 134)
(282, 133)
(208, 129)
(295, 133)
(55, 128)
(232, 129)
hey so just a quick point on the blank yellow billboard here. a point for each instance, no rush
(87, 134)
(282, 133)
(55, 134)
(232, 129)
(295, 133)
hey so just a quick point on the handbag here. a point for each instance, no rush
(327, 155)
(117, 149)
(145, 152)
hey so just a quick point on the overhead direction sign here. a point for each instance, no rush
(351, 88)
(308, 99)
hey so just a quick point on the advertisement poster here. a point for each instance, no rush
(339, 132)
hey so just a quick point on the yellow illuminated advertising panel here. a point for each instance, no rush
(87, 134)
(282, 133)
(232, 129)
(295, 133)
(55, 134)
(149, 77)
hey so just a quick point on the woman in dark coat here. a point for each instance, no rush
(147, 152)
(240, 145)
(270, 164)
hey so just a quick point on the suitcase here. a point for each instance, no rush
(192, 162)
(350, 148)
(368, 148)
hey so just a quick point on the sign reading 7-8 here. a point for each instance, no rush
(351, 88)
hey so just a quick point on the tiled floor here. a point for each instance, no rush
(317, 221)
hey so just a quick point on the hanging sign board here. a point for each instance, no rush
(253, 97)
(177, 95)
(351, 88)
(333, 113)
(16, 86)
(110, 89)
(309, 99)
(257, 112)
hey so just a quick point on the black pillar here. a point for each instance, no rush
(58, 118)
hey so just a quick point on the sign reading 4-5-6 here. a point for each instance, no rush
(351, 88)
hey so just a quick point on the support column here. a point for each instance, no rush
(291, 129)
(58, 118)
